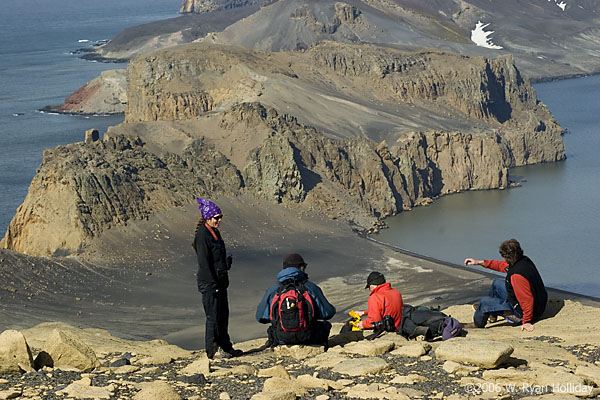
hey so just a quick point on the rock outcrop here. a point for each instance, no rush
(81, 189)
(103, 95)
(477, 118)
(558, 359)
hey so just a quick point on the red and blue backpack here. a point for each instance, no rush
(292, 313)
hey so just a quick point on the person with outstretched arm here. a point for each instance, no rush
(520, 297)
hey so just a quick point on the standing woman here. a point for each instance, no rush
(213, 279)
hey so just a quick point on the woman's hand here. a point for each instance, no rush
(472, 261)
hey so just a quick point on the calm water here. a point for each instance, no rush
(555, 214)
(37, 69)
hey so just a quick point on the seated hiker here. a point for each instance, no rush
(383, 301)
(521, 297)
(295, 307)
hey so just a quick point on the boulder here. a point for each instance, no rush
(369, 348)
(83, 389)
(299, 352)
(200, 366)
(68, 351)
(589, 371)
(326, 360)
(361, 366)
(275, 395)
(156, 391)
(481, 352)
(14, 351)
(376, 391)
(452, 367)
(11, 393)
(92, 135)
(243, 369)
(312, 382)
(280, 384)
(416, 349)
(278, 371)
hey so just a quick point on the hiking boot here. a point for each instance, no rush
(234, 352)
(512, 319)
(210, 353)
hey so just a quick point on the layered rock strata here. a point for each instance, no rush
(195, 126)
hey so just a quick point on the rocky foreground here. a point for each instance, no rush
(560, 359)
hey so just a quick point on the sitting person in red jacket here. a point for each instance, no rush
(383, 301)
(520, 297)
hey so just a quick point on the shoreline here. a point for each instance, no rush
(56, 110)
(464, 268)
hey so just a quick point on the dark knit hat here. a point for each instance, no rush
(375, 278)
(293, 260)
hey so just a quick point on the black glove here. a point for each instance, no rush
(229, 260)
(223, 280)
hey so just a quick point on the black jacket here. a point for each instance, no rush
(526, 268)
(212, 258)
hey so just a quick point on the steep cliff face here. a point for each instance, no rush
(380, 180)
(411, 127)
(82, 189)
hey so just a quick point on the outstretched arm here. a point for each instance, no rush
(496, 265)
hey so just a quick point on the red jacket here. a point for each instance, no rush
(520, 285)
(383, 301)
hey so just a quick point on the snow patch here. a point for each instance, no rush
(480, 37)
(562, 5)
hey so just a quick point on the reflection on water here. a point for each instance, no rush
(555, 214)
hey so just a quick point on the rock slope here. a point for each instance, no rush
(362, 130)
(547, 38)
(103, 95)
(560, 359)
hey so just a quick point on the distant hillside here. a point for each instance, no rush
(548, 38)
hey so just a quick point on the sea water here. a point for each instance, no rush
(37, 69)
(555, 213)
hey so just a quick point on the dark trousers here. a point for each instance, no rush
(318, 335)
(216, 308)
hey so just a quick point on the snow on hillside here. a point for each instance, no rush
(480, 37)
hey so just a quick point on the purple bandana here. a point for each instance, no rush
(208, 208)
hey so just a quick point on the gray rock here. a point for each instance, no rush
(68, 351)
(275, 371)
(361, 366)
(481, 352)
(82, 389)
(369, 348)
(275, 395)
(91, 135)
(156, 391)
(14, 350)
(10, 393)
(199, 366)
(412, 350)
